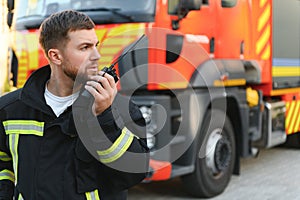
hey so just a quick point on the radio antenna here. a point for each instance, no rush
(112, 65)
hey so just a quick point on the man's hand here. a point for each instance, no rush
(103, 88)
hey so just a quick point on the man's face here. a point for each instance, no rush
(80, 55)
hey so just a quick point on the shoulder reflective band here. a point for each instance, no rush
(24, 127)
(92, 195)
(7, 175)
(119, 147)
(14, 128)
(4, 157)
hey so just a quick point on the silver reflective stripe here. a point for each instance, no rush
(15, 128)
(13, 145)
(24, 127)
(7, 175)
(119, 147)
(92, 195)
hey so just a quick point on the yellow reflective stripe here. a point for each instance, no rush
(7, 175)
(24, 127)
(20, 197)
(13, 146)
(115, 145)
(231, 82)
(119, 147)
(280, 71)
(92, 195)
(24, 122)
(4, 157)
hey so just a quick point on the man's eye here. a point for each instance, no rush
(84, 48)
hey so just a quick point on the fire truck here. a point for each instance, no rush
(216, 80)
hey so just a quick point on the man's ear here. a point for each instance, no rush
(55, 56)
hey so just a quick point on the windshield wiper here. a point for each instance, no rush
(29, 22)
(115, 11)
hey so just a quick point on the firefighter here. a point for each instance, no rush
(44, 153)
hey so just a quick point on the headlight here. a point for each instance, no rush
(147, 113)
(151, 127)
(150, 140)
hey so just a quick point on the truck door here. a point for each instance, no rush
(286, 44)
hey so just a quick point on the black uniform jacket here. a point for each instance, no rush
(44, 157)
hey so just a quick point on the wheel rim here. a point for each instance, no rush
(218, 152)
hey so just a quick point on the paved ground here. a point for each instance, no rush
(274, 175)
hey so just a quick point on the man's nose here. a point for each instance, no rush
(95, 54)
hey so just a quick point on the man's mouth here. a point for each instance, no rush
(93, 70)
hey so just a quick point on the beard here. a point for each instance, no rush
(76, 75)
(79, 74)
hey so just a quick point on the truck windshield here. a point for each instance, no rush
(30, 13)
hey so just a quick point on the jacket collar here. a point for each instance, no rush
(34, 88)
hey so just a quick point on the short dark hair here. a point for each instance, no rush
(54, 30)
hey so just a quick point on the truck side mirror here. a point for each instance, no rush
(9, 18)
(191, 4)
(182, 7)
(10, 5)
(10, 14)
(228, 3)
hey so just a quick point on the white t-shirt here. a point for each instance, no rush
(59, 104)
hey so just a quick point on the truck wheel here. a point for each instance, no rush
(215, 157)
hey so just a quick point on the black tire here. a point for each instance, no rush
(215, 157)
